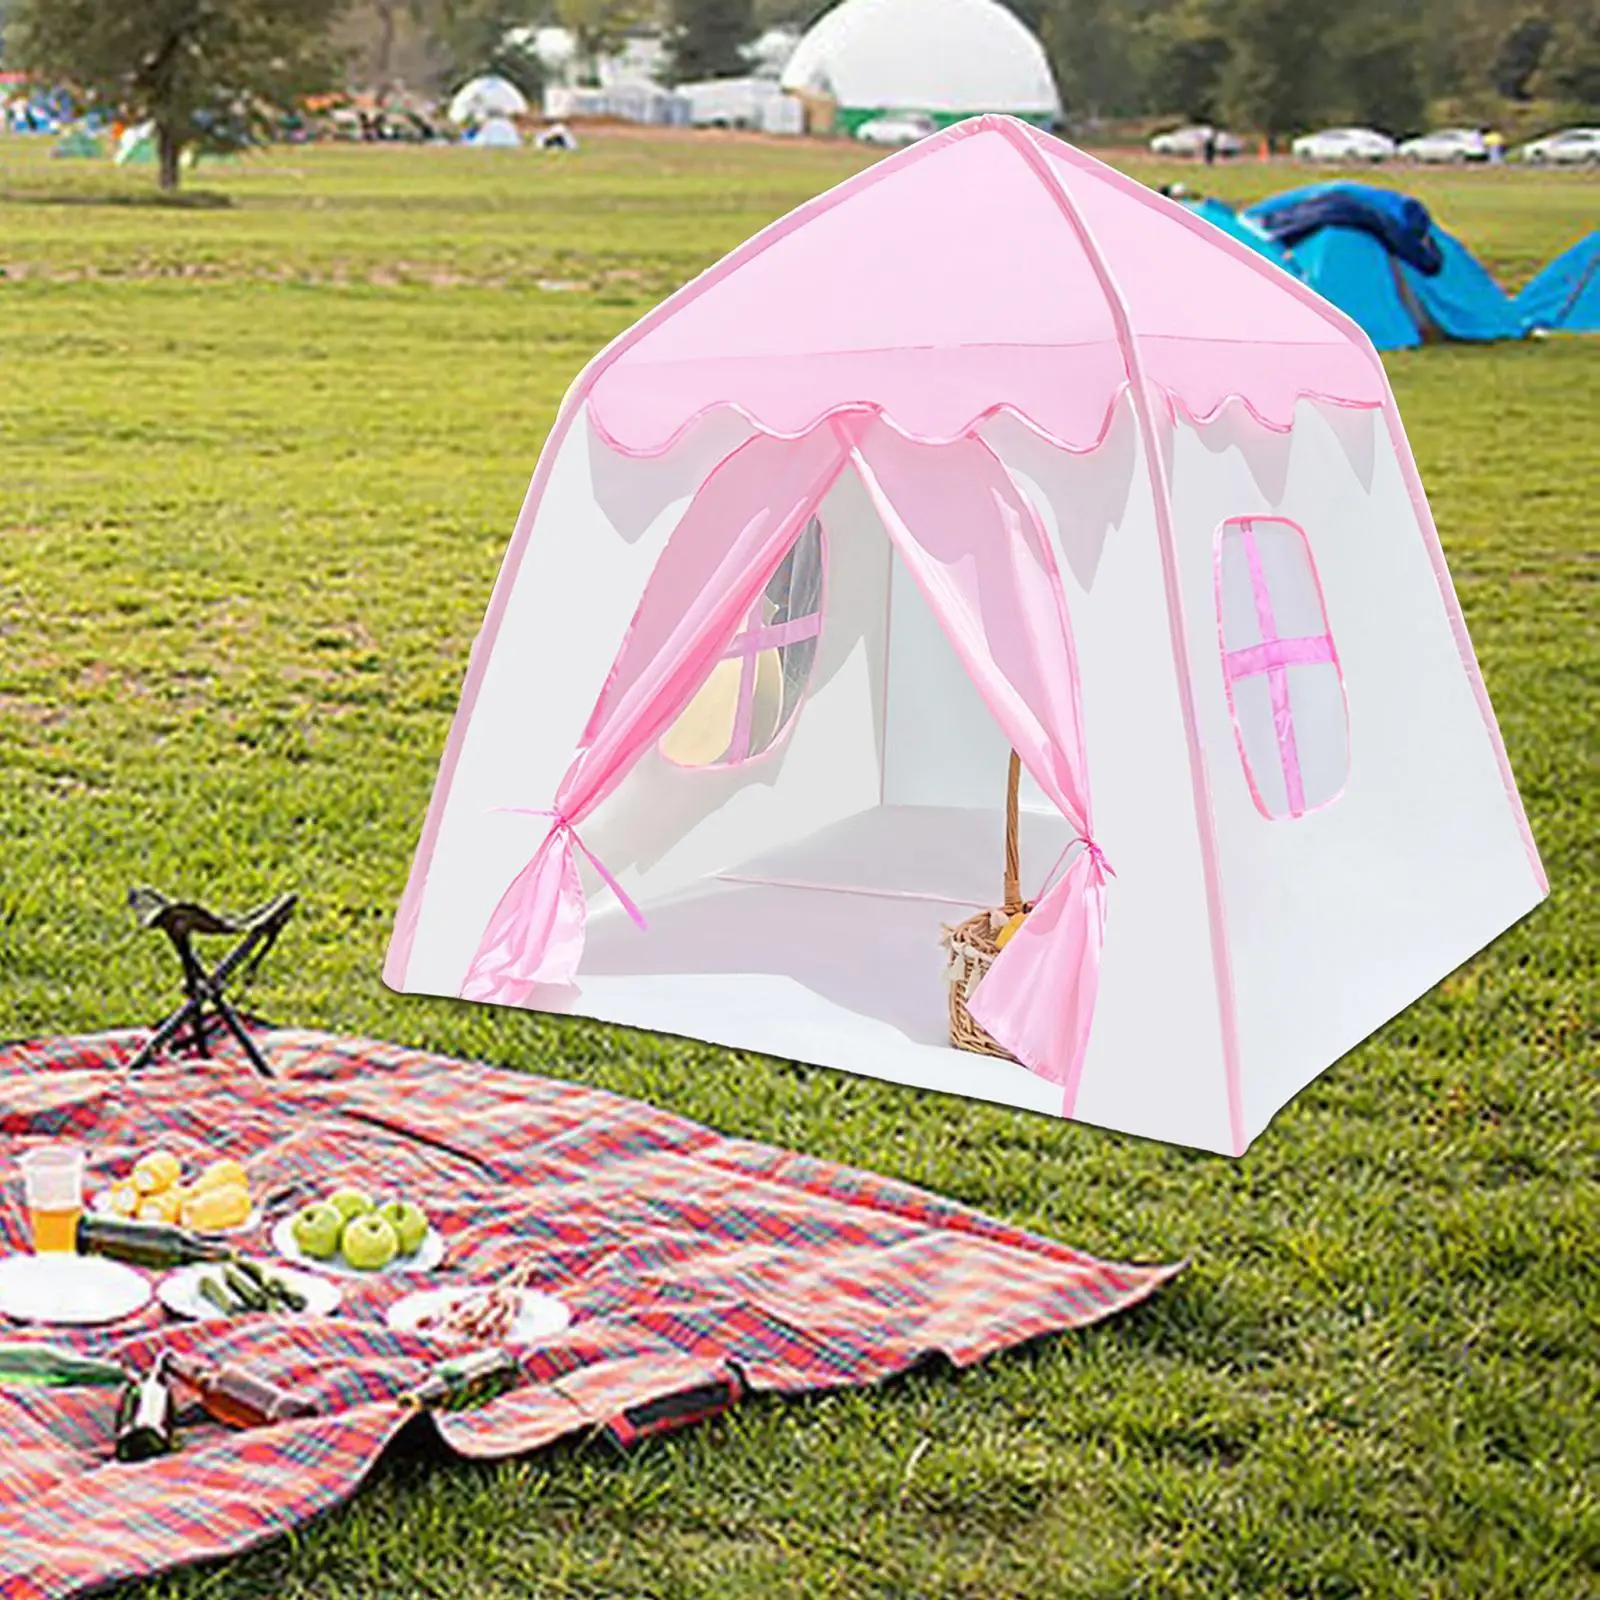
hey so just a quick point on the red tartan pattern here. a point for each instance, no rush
(698, 1268)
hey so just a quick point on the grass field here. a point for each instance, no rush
(260, 463)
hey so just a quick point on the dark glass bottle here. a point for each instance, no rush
(146, 1423)
(465, 1381)
(147, 1244)
(48, 1366)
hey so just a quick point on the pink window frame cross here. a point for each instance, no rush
(758, 635)
(1272, 658)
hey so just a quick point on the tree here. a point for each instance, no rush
(1090, 45)
(597, 27)
(1185, 54)
(1571, 70)
(708, 38)
(210, 74)
(477, 36)
(1519, 55)
(1380, 64)
(1278, 74)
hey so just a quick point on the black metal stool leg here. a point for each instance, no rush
(235, 1025)
(188, 1014)
(180, 921)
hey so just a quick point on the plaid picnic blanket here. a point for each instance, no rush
(697, 1267)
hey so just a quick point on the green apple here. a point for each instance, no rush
(349, 1202)
(317, 1228)
(410, 1224)
(368, 1242)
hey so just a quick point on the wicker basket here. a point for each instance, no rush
(972, 946)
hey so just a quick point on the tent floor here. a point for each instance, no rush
(826, 950)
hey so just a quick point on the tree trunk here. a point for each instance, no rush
(386, 34)
(169, 148)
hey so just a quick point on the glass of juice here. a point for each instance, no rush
(52, 1182)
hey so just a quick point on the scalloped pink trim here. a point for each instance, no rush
(866, 408)
(974, 423)
(1204, 419)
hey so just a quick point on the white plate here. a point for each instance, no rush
(100, 1203)
(180, 1293)
(428, 1255)
(539, 1316)
(70, 1290)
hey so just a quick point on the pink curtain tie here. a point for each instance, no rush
(1096, 855)
(1097, 858)
(561, 823)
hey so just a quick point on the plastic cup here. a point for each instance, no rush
(52, 1184)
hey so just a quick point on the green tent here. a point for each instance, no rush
(78, 142)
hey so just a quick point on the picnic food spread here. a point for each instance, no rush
(154, 1191)
(240, 1286)
(150, 1218)
(364, 1235)
(653, 1263)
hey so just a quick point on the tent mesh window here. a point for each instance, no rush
(1280, 668)
(754, 692)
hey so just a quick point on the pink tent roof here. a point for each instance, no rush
(982, 269)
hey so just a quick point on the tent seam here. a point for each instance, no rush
(1205, 819)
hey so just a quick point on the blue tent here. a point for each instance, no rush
(1225, 217)
(1397, 221)
(1382, 260)
(1357, 274)
(1566, 295)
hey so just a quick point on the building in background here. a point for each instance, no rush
(630, 87)
(754, 103)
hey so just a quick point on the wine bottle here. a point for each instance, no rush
(146, 1425)
(237, 1397)
(157, 1245)
(464, 1381)
(48, 1366)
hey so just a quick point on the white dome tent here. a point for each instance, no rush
(947, 58)
(479, 99)
(498, 133)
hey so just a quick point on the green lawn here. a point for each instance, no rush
(260, 463)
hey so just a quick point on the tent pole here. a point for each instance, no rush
(1139, 390)
(1013, 888)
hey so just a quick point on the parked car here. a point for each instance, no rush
(1191, 141)
(1344, 144)
(1570, 147)
(1447, 144)
(899, 128)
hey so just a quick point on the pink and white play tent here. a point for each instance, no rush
(987, 448)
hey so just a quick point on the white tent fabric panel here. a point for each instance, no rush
(1154, 1064)
(600, 527)
(924, 55)
(1340, 919)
